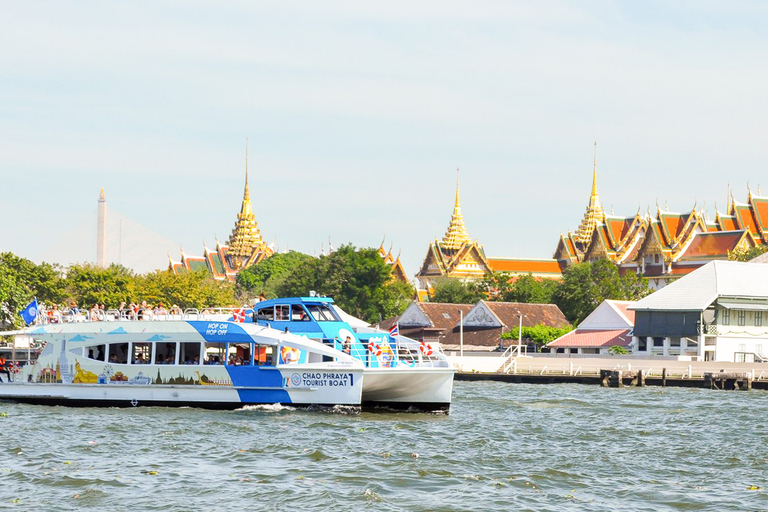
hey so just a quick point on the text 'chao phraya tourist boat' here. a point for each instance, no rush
(192, 360)
(399, 372)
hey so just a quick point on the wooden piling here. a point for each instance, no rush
(663, 377)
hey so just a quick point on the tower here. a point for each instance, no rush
(594, 213)
(456, 235)
(101, 231)
(245, 242)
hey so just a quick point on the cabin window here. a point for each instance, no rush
(725, 317)
(118, 353)
(165, 353)
(741, 317)
(282, 313)
(141, 353)
(674, 342)
(96, 352)
(264, 355)
(189, 353)
(758, 318)
(322, 313)
(658, 341)
(239, 354)
(266, 314)
(298, 314)
(215, 353)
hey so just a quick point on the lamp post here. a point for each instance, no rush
(461, 332)
(520, 335)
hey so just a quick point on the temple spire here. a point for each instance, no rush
(594, 213)
(456, 235)
(245, 237)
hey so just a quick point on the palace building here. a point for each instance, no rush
(244, 248)
(665, 246)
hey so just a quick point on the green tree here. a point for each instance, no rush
(747, 254)
(586, 285)
(267, 275)
(13, 298)
(43, 281)
(187, 290)
(358, 280)
(90, 284)
(618, 350)
(531, 290)
(539, 334)
(456, 291)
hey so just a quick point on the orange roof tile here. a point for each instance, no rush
(712, 245)
(524, 266)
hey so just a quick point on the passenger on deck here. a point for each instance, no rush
(4, 368)
(160, 310)
(113, 358)
(347, 345)
(175, 310)
(54, 315)
(139, 360)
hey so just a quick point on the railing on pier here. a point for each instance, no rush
(509, 358)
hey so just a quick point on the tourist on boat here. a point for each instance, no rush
(113, 358)
(94, 313)
(160, 310)
(347, 345)
(139, 359)
(54, 315)
(4, 368)
(175, 310)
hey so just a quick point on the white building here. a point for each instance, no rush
(719, 312)
(610, 324)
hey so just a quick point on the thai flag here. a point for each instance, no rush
(394, 330)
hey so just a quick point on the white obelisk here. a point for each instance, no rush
(101, 232)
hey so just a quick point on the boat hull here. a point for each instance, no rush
(405, 388)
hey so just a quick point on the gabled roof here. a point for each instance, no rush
(699, 289)
(524, 266)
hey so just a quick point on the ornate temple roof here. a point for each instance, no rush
(246, 238)
(594, 213)
(456, 236)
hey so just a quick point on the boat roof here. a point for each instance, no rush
(293, 300)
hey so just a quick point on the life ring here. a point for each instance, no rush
(426, 349)
(371, 347)
(239, 316)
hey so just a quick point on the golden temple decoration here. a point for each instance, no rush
(456, 235)
(594, 213)
(245, 237)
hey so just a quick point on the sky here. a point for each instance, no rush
(358, 114)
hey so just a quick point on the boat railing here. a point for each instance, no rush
(114, 315)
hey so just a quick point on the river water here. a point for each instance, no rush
(503, 447)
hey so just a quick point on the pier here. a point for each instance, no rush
(614, 372)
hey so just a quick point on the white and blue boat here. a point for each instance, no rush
(199, 362)
(400, 372)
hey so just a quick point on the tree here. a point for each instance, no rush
(358, 280)
(187, 290)
(90, 284)
(13, 298)
(586, 285)
(455, 291)
(618, 350)
(539, 334)
(43, 281)
(267, 275)
(747, 254)
(531, 290)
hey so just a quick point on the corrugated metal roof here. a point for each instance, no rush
(699, 289)
(592, 339)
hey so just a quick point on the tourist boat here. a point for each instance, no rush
(203, 363)
(399, 372)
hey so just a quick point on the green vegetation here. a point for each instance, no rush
(456, 291)
(358, 280)
(539, 334)
(618, 350)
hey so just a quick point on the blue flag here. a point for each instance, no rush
(29, 313)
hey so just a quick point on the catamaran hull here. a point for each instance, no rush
(299, 392)
(404, 388)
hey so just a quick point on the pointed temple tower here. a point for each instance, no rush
(594, 213)
(245, 242)
(244, 248)
(456, 255)
(101, 231)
